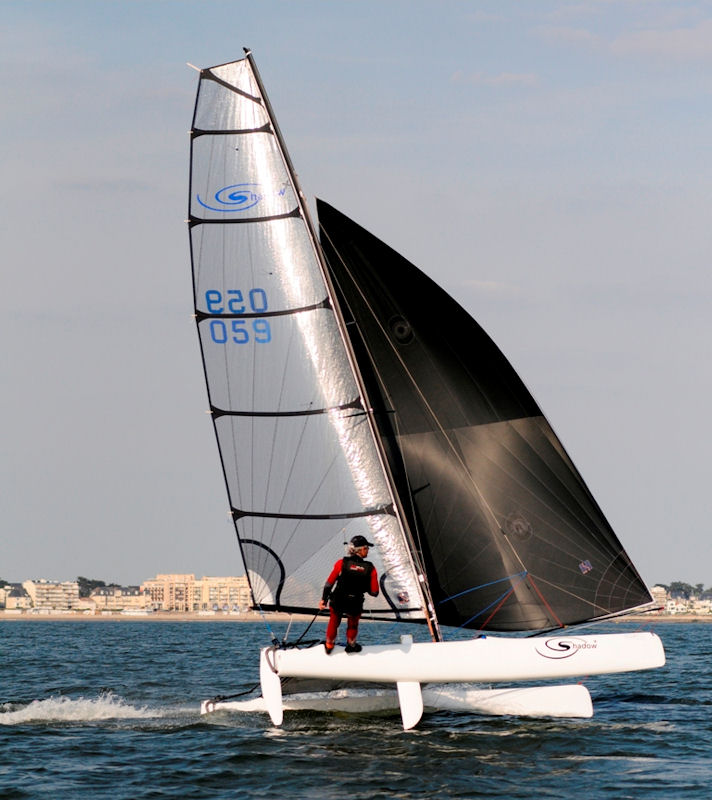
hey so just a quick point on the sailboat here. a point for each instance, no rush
(351, 395)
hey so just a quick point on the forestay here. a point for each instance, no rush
(301, 464)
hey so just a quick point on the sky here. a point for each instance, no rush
(549, 164)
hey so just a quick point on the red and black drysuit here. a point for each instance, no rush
(353, 577)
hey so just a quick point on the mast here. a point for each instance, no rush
(426, 598)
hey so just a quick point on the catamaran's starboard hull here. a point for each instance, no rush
(488, 659)
(573, 701)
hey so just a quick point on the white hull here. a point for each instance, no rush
(482, 660)
(488, 659)
(573, 701)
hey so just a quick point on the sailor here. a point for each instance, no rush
(353, 576)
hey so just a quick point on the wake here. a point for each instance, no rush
(67, 709)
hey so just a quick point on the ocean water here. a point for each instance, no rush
(105, 709)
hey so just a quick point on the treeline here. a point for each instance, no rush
(87, 585)
(687, 590)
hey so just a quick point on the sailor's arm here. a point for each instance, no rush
(329, 585)
(373, 591)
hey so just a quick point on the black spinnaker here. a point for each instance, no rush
(511, 537)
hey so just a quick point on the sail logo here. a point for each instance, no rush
(559, 647)
(237, 197)
(516, 524)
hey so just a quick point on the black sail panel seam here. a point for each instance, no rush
(584, 600)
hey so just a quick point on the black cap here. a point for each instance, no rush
(360, 541)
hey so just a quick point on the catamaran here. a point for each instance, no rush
(351, 395)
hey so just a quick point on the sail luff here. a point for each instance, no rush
(426, 600)
(196, 315)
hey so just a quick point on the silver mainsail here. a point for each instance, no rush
(302, 466)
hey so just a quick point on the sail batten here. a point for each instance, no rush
(269, 218)
(367, 512)
(266, 128)
(349, 406)
(202, 315)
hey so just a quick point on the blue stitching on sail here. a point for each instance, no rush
(519, 575)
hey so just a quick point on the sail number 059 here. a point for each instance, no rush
(239, 331)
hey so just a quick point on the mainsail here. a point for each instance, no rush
(302, 466)
(511, 537)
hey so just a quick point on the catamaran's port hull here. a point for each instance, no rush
(573, 701)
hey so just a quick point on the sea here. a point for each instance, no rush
(111, 709)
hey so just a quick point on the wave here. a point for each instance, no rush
(68, 709)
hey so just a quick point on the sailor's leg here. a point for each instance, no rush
(352, 628)
(352, 633)
(331, 629)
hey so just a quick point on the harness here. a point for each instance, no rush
(353, 582)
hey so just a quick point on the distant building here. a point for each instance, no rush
(660, 596)
(171, 592)
(676, 607)
(15, 597)
(51, 595)
(120, 598)
(700, 606)
(182, 592)
(222, 594)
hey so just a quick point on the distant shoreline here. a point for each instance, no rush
(155, 616)
(175, 616)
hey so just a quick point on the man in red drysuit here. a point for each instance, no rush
(353, 576)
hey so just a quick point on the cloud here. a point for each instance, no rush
(575, 36)
(682, 44)
(503, 79)
(103, 185)
(485, 16)
(492, 287)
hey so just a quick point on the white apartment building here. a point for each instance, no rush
(659, 594)
(53, 595)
